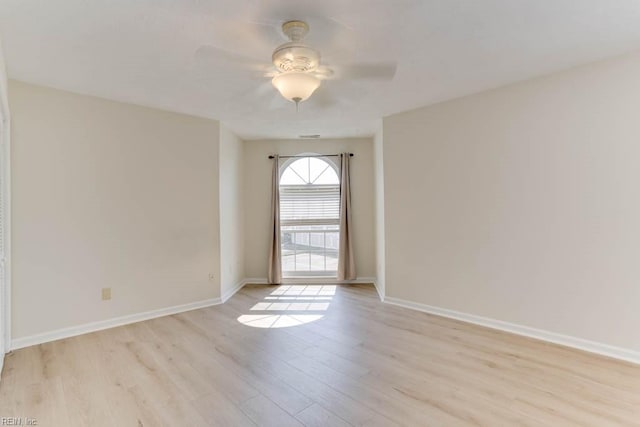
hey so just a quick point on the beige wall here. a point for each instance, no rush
(378, 165)
(523, 204)
(108, 195)
(231, 211)
(257, 181)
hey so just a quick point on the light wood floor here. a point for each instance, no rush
(362, 363)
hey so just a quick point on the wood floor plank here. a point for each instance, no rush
(348, 361)
(399, 409)
(44, 402)
(264, 412)
(316, 416)
(219, 411)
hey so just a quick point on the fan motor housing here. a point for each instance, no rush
(296, 56)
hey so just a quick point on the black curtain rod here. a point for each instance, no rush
(310, 155)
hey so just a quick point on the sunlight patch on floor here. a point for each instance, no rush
(290, 305)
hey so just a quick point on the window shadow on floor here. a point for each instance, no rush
(290, 305)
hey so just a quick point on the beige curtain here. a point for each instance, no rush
(275, 266)
(346, 264)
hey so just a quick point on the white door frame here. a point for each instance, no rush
(5, 282)
(5, 183)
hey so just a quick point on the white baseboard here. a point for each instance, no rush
(311, 280)
(225, 296)
(256, 281)
(319, 280)
(553, 337)
(365, 279)
(378, 290)
(109, 323)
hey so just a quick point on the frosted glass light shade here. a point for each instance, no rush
(296, 86)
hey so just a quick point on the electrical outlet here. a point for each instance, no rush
(106, 294)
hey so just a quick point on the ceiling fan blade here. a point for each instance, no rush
(373, 71)
(277, 102)
(211, 60)
(255, 92)
(212, 55)
(322, 98)
(258, 98)
(323, 72)
(330, 35)
(237, 32)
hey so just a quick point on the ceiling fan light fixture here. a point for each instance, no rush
(296, 87)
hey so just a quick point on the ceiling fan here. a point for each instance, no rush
(296, 70)
(298, 65)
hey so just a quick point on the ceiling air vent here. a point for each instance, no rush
(310, 136)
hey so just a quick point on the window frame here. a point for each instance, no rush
(292, 274)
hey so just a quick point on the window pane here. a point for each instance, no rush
(301, 168)
(289, 177)
(329, 176)
(316, 168)
(302, 261)
(332, 260)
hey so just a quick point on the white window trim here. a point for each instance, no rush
(282, 167)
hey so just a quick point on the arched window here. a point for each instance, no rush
(309, 217)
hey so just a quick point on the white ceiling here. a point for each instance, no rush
(144, 52)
